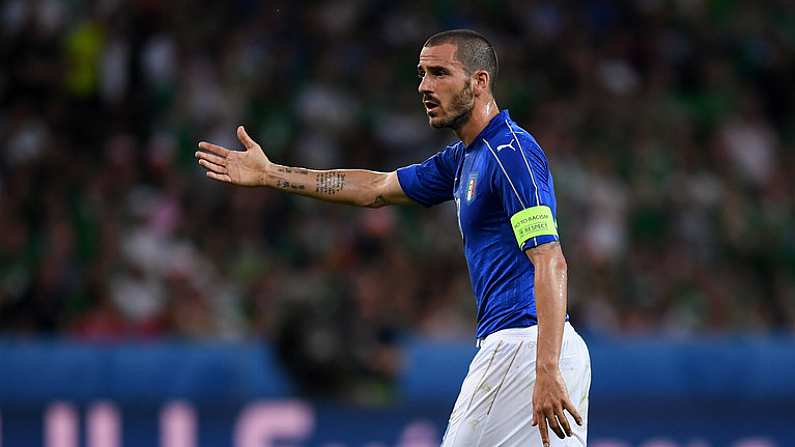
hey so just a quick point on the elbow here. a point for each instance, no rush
(559, 263)
(371, 202)
(554, 266)
(548, 258)
(376, 194)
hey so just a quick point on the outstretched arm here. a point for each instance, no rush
(251, 167)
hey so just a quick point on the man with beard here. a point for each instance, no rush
(531, 362)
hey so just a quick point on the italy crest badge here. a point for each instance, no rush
(471, 185)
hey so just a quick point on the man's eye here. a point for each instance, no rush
(420, 75)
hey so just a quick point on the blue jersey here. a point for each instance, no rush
(501, 173)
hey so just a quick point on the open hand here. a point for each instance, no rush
(245, 168)
(550, 398)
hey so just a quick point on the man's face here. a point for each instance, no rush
(445, 86)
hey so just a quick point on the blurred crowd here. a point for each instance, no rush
(669, 126)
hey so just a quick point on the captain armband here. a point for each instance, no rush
(533, 222)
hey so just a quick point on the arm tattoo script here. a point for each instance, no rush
(284, 184)
(289, 170)
(330, 182)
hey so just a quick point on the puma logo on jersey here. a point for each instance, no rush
(503, 146)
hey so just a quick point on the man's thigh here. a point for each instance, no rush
(478, 393)
(510, 421)
(494, 407)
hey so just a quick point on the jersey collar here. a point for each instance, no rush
(494, 124)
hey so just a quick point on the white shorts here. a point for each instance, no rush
(495, 406)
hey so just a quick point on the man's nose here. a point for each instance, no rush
(424, 86)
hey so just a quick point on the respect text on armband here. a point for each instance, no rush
(533, 222)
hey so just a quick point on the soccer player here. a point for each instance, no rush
(532, 367)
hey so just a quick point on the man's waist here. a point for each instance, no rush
(529, 333)
(523, 332)
(495, 314)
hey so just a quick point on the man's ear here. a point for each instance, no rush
(481, 80)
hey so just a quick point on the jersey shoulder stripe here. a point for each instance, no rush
(521, 151)
(502, 167)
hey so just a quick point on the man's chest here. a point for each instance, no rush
(476, 204)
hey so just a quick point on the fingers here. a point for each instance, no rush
(216, 172)
(220, 177)
(244, 138)
(218, 169)
(569, 406)
(214, 148)
(559, 425)
(563, 422)
(542, 427)
(211, 158)
(215, 164)
(553, 424)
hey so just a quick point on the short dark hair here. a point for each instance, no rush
(474, 51)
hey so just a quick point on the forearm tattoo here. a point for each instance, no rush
(284, 184)
(289, 170)
(330, 182)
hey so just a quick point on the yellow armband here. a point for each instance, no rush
(533, 222)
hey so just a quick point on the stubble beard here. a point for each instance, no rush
(460, 110)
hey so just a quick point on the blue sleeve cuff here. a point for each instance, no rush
(534, 242)
(410, 182)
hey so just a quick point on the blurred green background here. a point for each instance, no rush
(669, 127)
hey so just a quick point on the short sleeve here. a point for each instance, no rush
(522, 180)
(432, 181)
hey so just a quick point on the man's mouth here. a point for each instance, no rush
(430, 105)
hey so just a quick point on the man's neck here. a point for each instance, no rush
(482, 115)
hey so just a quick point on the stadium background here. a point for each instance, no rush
(141, 302)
